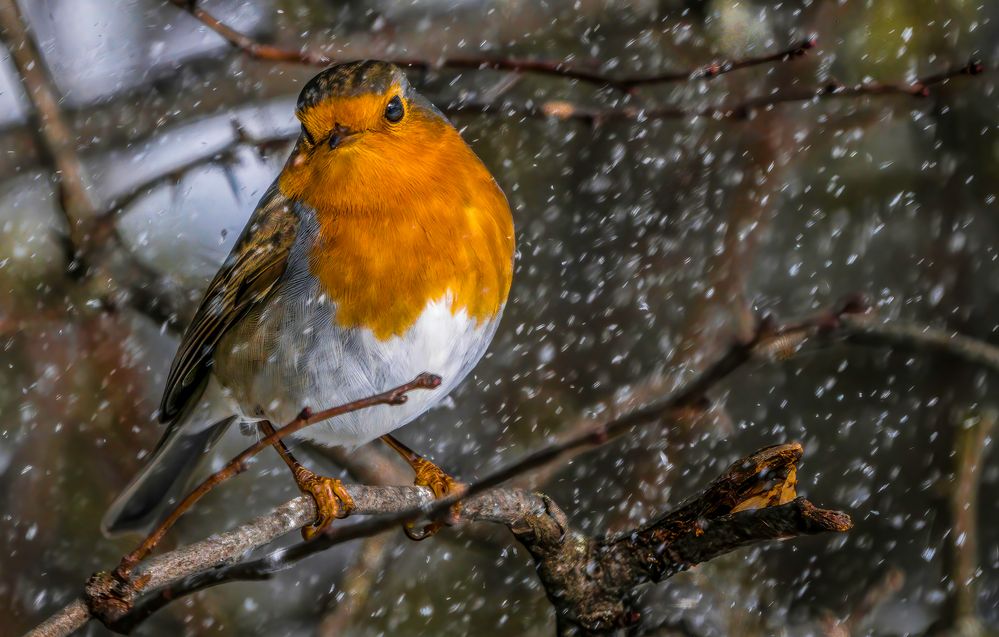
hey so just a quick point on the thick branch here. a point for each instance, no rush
(719, 518)
(227, 548)
(106, 593)
(587, 578)
(590, 580)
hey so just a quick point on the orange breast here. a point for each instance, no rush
(394, 237)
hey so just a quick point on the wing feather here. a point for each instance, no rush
(246, 279)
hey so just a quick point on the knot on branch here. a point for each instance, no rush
(781, 342)
(109, 598)
(545, 530)
(590, 580)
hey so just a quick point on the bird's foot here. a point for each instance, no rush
(434, 478)
(332, 500)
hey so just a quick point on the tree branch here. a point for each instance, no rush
(870, 331)
(395, 396)
(110, 595)
(271, 53)
(588, 579)
(87, 241)
(960, 614)
(54, 134)
(739, 110)
(224, 155)
(718, 512)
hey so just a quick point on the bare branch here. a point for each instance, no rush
(88, 241)
(960, 614)
(729, 522)
(271, 53)
(691, 395)
(870, 331)
(589, 579)
(224, 155)
(54, 134)
(736, 111)
(394, 396)
(219, 549)
(247, 44)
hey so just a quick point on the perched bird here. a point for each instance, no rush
(383, 249)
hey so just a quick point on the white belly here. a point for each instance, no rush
(293, 355)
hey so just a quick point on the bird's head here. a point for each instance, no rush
(364, 129)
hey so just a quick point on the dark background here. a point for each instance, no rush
(643, 245)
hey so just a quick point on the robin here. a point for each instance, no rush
(383, 249)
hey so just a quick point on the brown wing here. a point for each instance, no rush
(247, 278)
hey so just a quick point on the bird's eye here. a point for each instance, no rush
(308, 136)
(394, 110)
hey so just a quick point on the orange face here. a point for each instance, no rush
(407, 213)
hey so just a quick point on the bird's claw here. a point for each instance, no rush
(332, 500)
(434, 478)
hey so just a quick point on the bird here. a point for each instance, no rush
(384, 248)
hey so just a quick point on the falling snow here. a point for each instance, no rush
(644, 247)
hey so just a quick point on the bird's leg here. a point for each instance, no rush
(332, 499)
(431, 476)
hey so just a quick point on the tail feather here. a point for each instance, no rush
(162, 481)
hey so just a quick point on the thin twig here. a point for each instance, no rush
(272, 53)
(223, 155)
(738, 111)
(395, 396)
(869, 330)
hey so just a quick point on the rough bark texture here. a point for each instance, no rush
(589, 580)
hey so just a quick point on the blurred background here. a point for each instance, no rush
(645, 246)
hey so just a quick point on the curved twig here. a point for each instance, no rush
(272, 53)
(737, 111)
(394, 396)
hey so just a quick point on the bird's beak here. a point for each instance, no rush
(340, 136)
